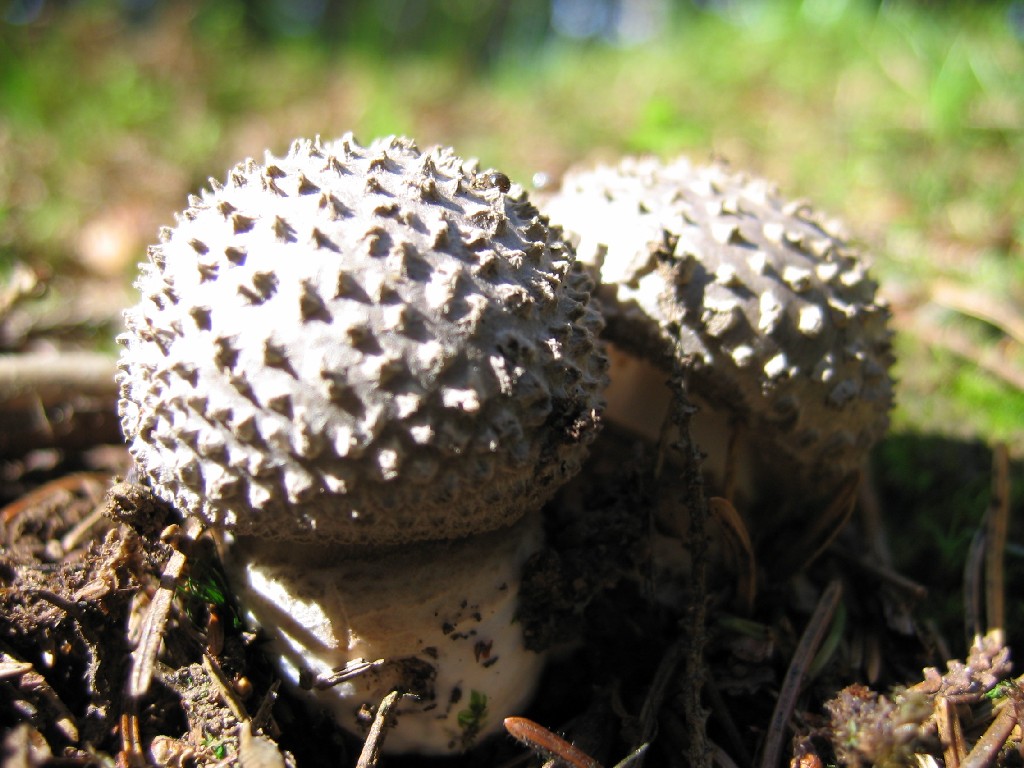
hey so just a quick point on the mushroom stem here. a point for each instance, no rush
(437, 622)
(638, 399)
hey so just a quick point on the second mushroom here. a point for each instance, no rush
(764, 304)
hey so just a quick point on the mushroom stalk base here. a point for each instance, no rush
(437, 621)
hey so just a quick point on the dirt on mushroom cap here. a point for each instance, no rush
(363, 344)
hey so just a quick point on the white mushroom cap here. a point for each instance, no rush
(364, 344)
(765, 301)
(440, 616)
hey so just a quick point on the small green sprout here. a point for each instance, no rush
(471, 719)
(218, 748)
(205, 585)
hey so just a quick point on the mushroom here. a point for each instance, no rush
(367, 368)
(765, 303)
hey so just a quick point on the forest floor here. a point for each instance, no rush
(846, 650)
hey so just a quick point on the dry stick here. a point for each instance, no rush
(9, 669)
(871, 516)
(70, 607)
(72, 425)
(741, 549)
(131, 742)
(997, 524)
(950, 732)
(961, 345)
(227, 695)
(378, 729)
(82, 529)
(261, 718)
(56, 378)
(631, 759)
(84, 482)
(720, 757)
(696, 670)
(79, 386)
(798, 665)
(144, 656)
(350, 670)
(663, 678)
(726, 722)
(987, 747)
(980, 306)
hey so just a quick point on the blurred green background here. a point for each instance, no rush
(904, 118)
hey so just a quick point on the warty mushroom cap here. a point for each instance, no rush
(360, 344)
(766, 303)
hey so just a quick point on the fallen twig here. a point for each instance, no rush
(725, 721)
(695, 714)
(987, 747)
(631, 759)
(871, 516)
(227, 694)
(979, 305)
(261, 719)
(742, 550)
(950, 732)
(82, 531)
(48, 378)
(378, 729)
(664, 676)
(720, 757)
(65, 400)
(90, 483)
(132, 753)
(144, 656)
(962, 345)
(797, 672)
(352, 669)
